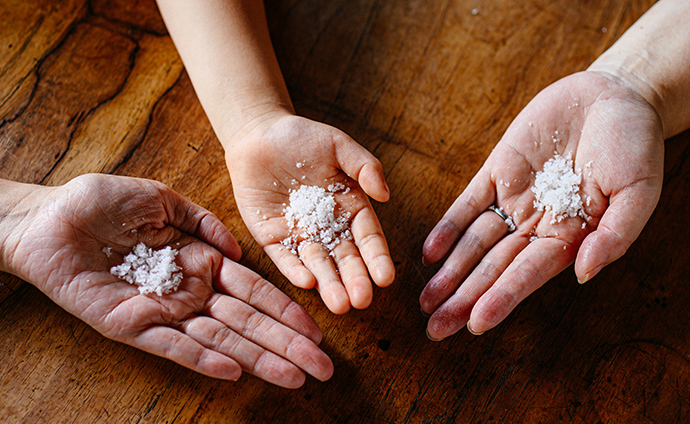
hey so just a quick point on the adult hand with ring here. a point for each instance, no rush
(608, 125)
(501, 248)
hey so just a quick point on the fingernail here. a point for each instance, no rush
(469, 328)
(431, 338)
(591, 274)
(424, 314)
(424, 262)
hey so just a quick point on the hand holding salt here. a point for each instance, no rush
(302, 189)
(577, 173)
(85, 236)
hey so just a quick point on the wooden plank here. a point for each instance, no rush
(429, 87)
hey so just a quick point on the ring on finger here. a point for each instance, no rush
(507, 219)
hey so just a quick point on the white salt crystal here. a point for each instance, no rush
(153, 271)
(311, 217)
(108, 251)
(556, 189)
(475, 11)
(299, 164)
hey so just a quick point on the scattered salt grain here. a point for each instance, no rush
(311, 217)
(588, 168)
(299, 164)
(475, 11)
(108, 251)
(154, 271)
(556, 189)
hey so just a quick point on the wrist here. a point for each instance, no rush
(632, 71)
(652, 59)
(248, 128)
(15, 211)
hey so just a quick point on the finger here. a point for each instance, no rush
(354, 275)
(476, 199)
(247, 286)
(454, 313)
(271, 335)
(369, 238)
(182, 349)
(474, 244)
(191, 218)
(540, 261)
(619, 227)
(361, 166)
(328, 283)
(290, 266)
(253, 358)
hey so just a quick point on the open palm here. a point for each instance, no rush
(289, 152)
(615, 140)
(223, 318)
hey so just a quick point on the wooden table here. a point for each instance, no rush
(427, 86)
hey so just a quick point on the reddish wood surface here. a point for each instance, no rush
(429, 87)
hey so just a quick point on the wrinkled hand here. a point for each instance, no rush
(223, 319)
(616, 142)
(280, 155)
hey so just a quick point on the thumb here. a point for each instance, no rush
(619, 227)
(195, 220)
(362, 166)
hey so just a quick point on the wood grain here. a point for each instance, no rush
(429, 87)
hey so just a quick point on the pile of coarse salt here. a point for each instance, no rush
(556, 189)
(311, 217)
(154, 271)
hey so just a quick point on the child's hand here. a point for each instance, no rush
(223, 318)
(616, 141)
(281, 154)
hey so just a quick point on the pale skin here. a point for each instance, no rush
(613, 120)
(222, 321)
(228, 54)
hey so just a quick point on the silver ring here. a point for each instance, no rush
(507, 219)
